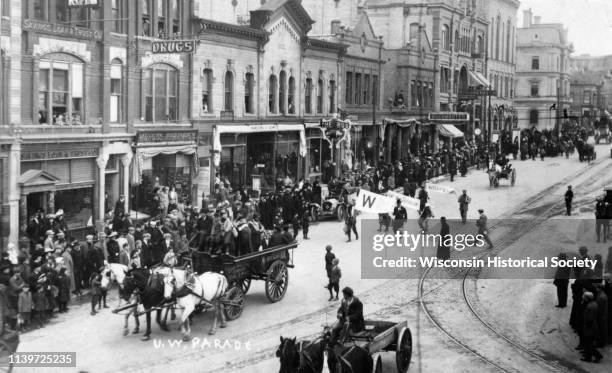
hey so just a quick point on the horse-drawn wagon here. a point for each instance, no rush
(269, 265)
(497, 173)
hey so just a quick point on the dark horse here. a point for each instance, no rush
(308, 357)
(150, 288)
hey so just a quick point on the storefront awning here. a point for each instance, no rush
(479, 79)
(449, 130)
(150, 152)
(401, 122)
(254, 128)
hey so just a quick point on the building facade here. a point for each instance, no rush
(542, 73)
(587, 94)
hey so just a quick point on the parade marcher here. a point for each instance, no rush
(423, 197)
(329, 264)
(400, 215)
(483, 228)
(589, 329)
(443, 249)
(464, 204)
(569, 196)
(424, 217)
(562, 282)
(334, 279)
(350, 221)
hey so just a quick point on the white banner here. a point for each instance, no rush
(374, 203)
(407, 202)
(440, 189)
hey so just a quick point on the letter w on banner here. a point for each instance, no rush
(372, 202)
(440, 189)
(407, 202)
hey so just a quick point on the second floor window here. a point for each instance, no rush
(366, 89)
(349, 88)
(445, 40)
(534, 116)
(375, 89)
(248, 94)
(535, 63)
(146, 17)
(308, 97)
(207, 91)
(272, 89)
(229, 91)
(117, 14)
(160, 82)
(535, 89)
(332, 96)
(290, 97)
(60, 92)
(320, 96)
(282, 93)
(116, 90)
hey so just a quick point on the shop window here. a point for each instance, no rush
(282, 93)
(146, 17)
(207, 91)
(60, 92)
(117, 15)
(161, 93)
(290, 98)
(229, 91)
(357, 100)
(320, 90)
(248, 93)
(366, 89)
(534, 116)
(116, 91)
(272, 91)
(308, 96)
(349, 88)
(332, 96)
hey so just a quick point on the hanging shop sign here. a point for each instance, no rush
(61, 29)
(173, 46)
(449, 116)
(335, 128)
(167, 137)
(59, 154)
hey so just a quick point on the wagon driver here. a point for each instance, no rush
(350, 317)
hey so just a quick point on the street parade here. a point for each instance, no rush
(305, 186)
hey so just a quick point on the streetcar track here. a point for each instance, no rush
(268, 353)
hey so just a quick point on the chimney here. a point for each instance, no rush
(537, 20)
(527, 14)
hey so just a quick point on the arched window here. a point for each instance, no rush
(248, 93)
(308, 97)
(445, 39)
(229, 91)
(160, 90)
(534, 116)
(320, 96)
(60, 90)
(497, 38)
(332, 96)
(508, 40)
(272, 89)
(116, 88)
(291, 96)
(457, 41)
(479, 44)
(207, 76)
(282, 95)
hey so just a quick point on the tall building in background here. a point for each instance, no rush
(542, 73)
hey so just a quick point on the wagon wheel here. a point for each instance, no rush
(513, 178)
(245, 284)
(234, 303)
(377, 363)
(340, 212)
(277, 281)
(403, 352)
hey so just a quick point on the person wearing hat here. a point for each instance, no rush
(569, 196)
(424, 217)
(601, 339)
(96, 256)
(120, 206)
(464, 203)
(112, 248)
(146, 252)
(350, 220)
(48, 243)
(483, 229)
(590, 328)
(399, 216)
(350, 316)
(60, 221)
(167, 245)
(423, 197)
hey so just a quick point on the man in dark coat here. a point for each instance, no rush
(423, 197)
(146, 252)
(95, 259)
(112, 247)
(569, 196)
(86, 248)
(562, 282)
(589, 328)
(350, 316)
(443, 249)
(79, 267)
(120, 206)
(399, 216)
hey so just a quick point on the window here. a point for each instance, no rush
(480, 44)
(508, 41)
(272, 89)
(586, 97)
(332, 96)
(40, 9)
(229, 91)
(419, 94)
(146, 18)
(161, 19)
(116, 15)
(535, 63)
(414, 33)
(534, 116)
(175, 13)
(413, 94)
(445, 37)
(535, 89)
(60, 92)
(308, 96)
(507, 87)
(320, 96)
(497, 37)
(116, 90)
(375, 89)
(61, 11)
(282, 93)
(5, 8)
(349, 87)
(366, 89)
(291, 95)
(357, 100)
(207, 76)
(457, 41)
(248, 93)
(160, 83)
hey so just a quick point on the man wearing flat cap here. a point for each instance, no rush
(112, 247)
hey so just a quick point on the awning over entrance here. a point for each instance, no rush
(479, 79)
(33, 181)
(253, 128)
(449, 130)
(150, 152)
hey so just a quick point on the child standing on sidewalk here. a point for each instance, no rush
(329, 257)
(334, 279)
(25, 306)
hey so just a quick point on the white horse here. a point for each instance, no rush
(116, 272)
(208, 288)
